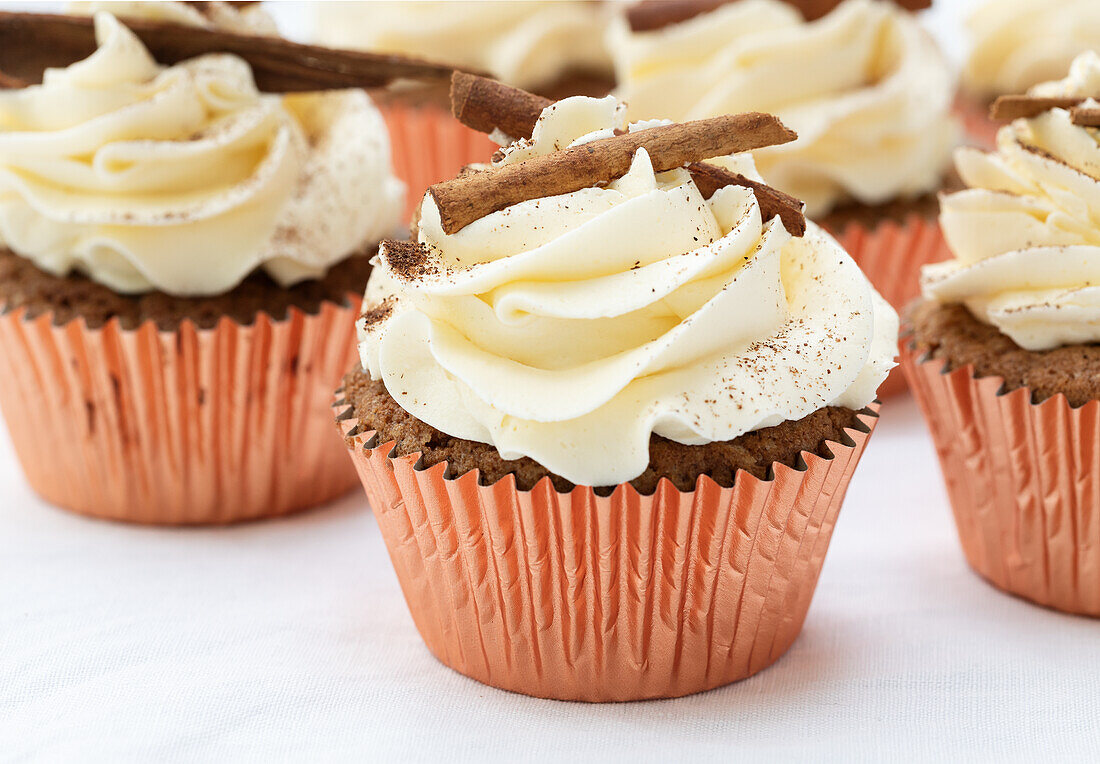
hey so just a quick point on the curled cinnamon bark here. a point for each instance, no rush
(7, 82)
(1085, 116)
(1010, 107)
(33, 42)
(471, 197)
(648, 15)
(486, 105)
(773, 202)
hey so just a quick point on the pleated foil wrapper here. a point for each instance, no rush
(1023, 479)
(429, 145)
(575, 596)
(892, 254)
(194, 426)
(973, 113)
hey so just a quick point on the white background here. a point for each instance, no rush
(290, 640)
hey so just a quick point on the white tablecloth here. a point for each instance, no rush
(290, 640)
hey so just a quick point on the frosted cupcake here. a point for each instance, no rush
(242, 18)
(866, 89)
(606, 432)
(1002, 353)
(546, 46)
(1017, 44)
(553, 47)
(177, 252)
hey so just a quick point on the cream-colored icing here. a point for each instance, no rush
(570, 328)
(185, 179)
(865, 88)
(1025, 233)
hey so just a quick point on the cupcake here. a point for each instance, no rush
(242, 18)
(179, 259)
(1017, 44)
(554, 48)
(606, 431)
(865, 87)
(1002, 351)
(545, 46)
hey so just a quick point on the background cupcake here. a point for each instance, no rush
(1017, 44)
(866, 89)
(242, 18)
(590, 423)
(553, 47)
(544, 46)
(1003, 355)
(178, 255)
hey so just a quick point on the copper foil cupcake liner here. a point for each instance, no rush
(1023, 479)
(576, 596)
(892, 254)
(973, 113)
(178, 427)
(429, 145)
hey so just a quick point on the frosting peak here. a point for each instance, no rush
(1020, 43)
(1025, 233)
(528, 44)
(242, 18)
(185, 179)
(570, 328)
(865, 88)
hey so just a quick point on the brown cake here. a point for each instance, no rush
(951, 333)
(754, 452)
(22, 285)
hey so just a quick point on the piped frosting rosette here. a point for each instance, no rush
(865, 87)
(529, 44)
(185, 179)
(570, 328)
(1024, 234)
(1020, 43)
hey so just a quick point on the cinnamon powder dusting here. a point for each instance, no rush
(376, 314)
(409, 260)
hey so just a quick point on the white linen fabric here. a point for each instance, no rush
(290, 641)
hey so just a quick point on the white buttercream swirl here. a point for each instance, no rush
(865, 88)
(250, 18)
(1026, 233)
(526, 44)
(1020, 43)
(186, 179)
(570, 328)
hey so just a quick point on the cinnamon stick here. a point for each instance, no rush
(1010, 107)
(32, 42)
(648, 15)
(486, 104)
(815, 9)
(467, 198)
(1085, 116)
(7, 82)
(773, 202)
